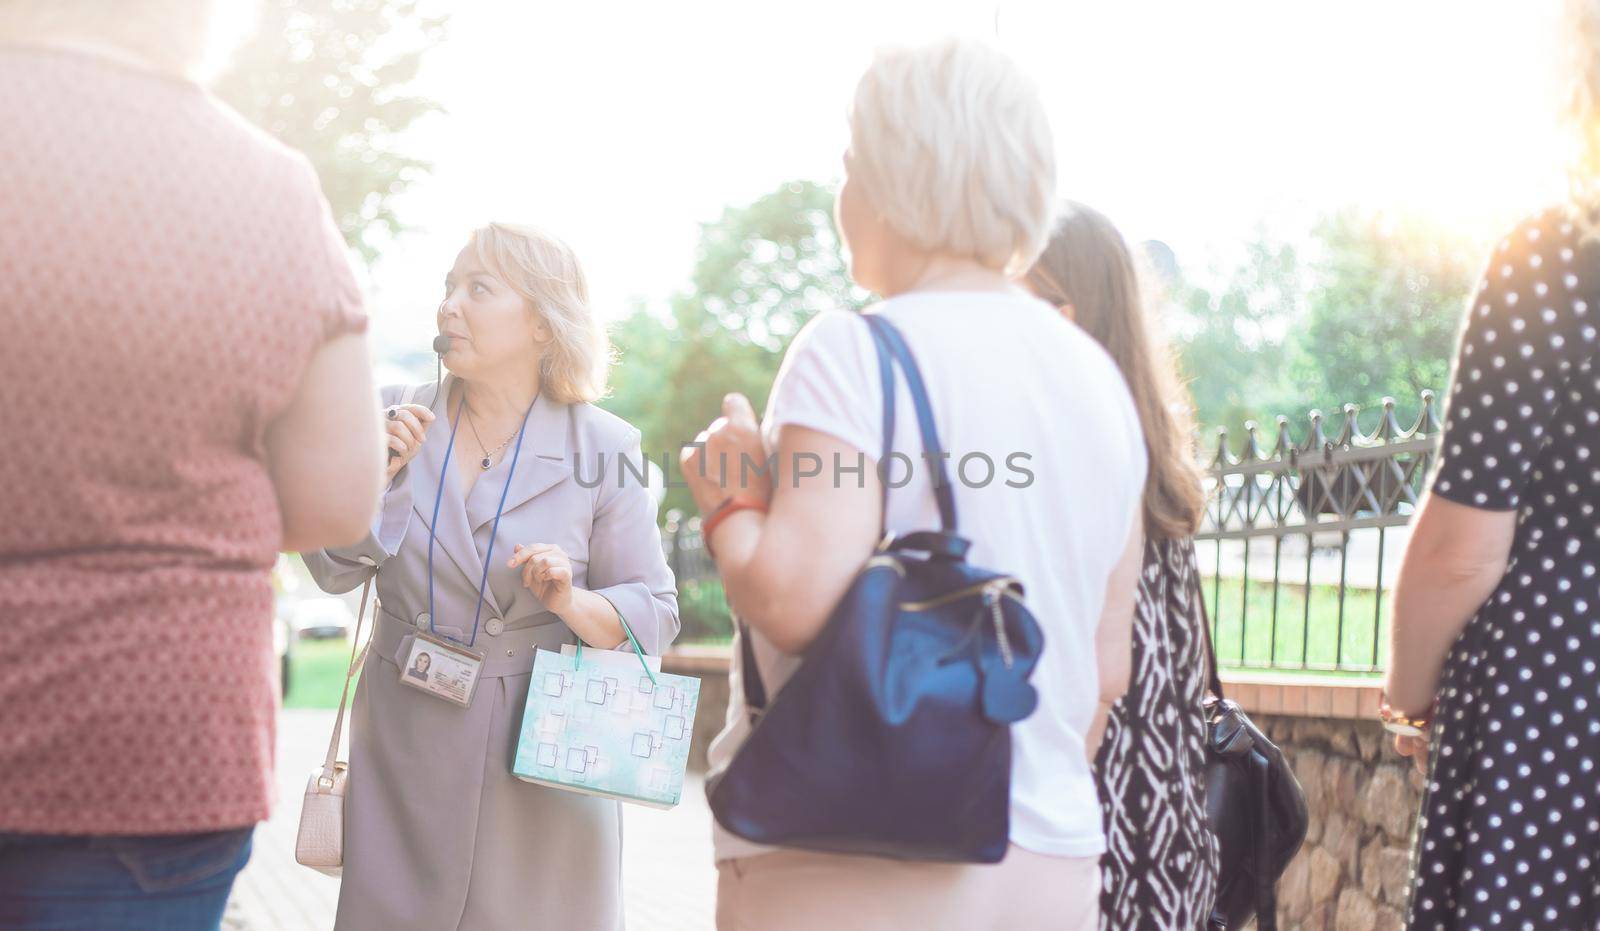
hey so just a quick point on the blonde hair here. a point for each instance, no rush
(1581, 36)
(951, 146)
(173, 36)
(544, 270)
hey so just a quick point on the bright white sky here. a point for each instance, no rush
(622, 126)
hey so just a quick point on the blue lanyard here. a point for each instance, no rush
(438, 498)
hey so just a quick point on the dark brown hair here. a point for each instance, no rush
(1087, 265)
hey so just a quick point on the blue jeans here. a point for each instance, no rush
(166, 883)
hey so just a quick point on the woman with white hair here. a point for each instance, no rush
(494, 540)
(948, 192)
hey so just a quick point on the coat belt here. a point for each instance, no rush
(508, 653)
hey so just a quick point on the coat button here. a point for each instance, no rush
(423, 619)
(366, 561)
(495, 627)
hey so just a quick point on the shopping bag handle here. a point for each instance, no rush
(577, 656)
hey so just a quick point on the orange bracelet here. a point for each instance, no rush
(722, 512)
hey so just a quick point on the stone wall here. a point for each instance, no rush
(1353, 874)
(710, 665)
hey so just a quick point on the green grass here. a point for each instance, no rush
(705, 620)
(1250, 612)
(317, 670)
(316, 673)
(703, 611)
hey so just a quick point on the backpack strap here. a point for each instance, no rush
(1266, 882)
(1213, 680)
(755, 692)
(889, 337)
(886, 379)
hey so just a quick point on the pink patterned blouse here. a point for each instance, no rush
(166, 272)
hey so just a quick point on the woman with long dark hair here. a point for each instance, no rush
(1160, 866)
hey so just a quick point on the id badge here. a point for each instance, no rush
(442, 669)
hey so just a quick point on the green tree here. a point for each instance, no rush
(329, 78)
(1231, 341)
(1382, 314)
(763, 270)
(1366, 308)
(766, 268)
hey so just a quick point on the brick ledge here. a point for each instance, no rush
(1257, 692)
(1300, 695)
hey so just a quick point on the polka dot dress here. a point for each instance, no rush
(1509, 835)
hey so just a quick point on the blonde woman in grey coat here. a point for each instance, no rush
(439, 834)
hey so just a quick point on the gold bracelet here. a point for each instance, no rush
(1398, 722)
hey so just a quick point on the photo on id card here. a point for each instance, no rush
(443, 670)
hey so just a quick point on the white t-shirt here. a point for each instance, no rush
(1009, 378)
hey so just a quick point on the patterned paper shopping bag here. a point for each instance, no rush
(607, 723)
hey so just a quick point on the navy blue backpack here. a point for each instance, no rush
(893, 737)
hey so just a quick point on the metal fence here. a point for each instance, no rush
(1323, 512)
(702, 608)
(1298, 544)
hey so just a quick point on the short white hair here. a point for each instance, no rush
(952, 147)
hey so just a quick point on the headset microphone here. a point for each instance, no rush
(441, 345)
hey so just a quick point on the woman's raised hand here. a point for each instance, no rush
(547, 572)
(729, 458)
(406, 426)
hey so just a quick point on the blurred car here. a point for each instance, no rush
(283, 649)
(321, 618)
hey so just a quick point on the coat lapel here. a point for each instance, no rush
(544, 462)
(452, 535)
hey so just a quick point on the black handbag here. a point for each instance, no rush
(893, 737)
(1255, 808)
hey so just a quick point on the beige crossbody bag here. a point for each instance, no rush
(320, 843)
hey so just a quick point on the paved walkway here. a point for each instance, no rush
(669, 882)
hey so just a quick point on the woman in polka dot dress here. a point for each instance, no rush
(1497, 609)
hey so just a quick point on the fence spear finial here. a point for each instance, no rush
(1315, 440)
(1252, 442)
(1428, 420)
(1222, 456)
(1350, 430)
(1285, 442)
(1389, 428)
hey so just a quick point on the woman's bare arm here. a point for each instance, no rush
(325, 451)
(1456, 558)
(784, 571)
(1113, 639)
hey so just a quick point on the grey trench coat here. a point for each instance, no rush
(438, 833)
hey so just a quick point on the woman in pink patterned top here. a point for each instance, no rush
(186, 393)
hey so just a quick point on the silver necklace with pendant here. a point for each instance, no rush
(487, 462)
